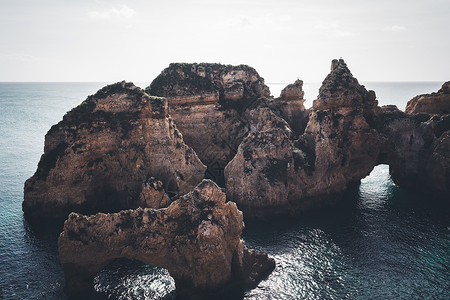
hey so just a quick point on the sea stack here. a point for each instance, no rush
(196, 238)
(337, 148)
(99, 155)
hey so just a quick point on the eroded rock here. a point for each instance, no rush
(415, 148)
(97, 157)
(290, 105)
(434, 103)
(206, 102)
(153, 194)
(347, 134)
(196, 238)
(338, 148)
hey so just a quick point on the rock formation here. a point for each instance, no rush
(196, 238)
(290, 105)
(98, 156)
(153, 194)
(434, 103)
(416, 148)
(206, 102)
(347, 134)
(120, 149)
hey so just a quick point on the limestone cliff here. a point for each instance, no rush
(197, 239)
(98, 156)
(206, 102)
(434, 103)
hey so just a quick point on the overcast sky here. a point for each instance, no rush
(93, 40)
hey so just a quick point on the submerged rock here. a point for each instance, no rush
(196, 238)
(97, 157)
(434, 103)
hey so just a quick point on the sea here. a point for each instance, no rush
(380, 242)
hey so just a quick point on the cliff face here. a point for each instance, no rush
(196, 238)
(98, 156)
(206, 102)
(435, 103)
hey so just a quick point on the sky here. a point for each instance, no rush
(109, 41)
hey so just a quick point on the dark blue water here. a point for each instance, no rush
(382, 242)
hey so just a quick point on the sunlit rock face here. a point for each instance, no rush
(98, 156)
(434, 103)
(196, 238)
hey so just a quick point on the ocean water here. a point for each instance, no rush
(382, 242)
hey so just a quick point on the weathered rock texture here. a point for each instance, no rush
(434, 103)
(153, 194)
(206, 102)
(98, 156)
(416, 148)
(338, 148)
(275, 173)
(197, 239)
(291, 108)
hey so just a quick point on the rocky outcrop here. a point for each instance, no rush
(347, 134)
(97, 157)
(206, 102)
(416, 149)
(338, 148)
(184, 84)
(291, 108)
(196, 238)
(341, 90)
(153, 194)
(434, 103)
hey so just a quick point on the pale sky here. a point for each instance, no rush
(94, 40)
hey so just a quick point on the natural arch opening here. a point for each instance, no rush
(378, 182)
(132, 279)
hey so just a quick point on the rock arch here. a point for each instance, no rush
(196, 238)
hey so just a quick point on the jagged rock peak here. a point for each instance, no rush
(341, 89)
(293, 91)
(207, 83)
(197, 239)
(434, 103)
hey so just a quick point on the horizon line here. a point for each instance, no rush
(278, 82)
